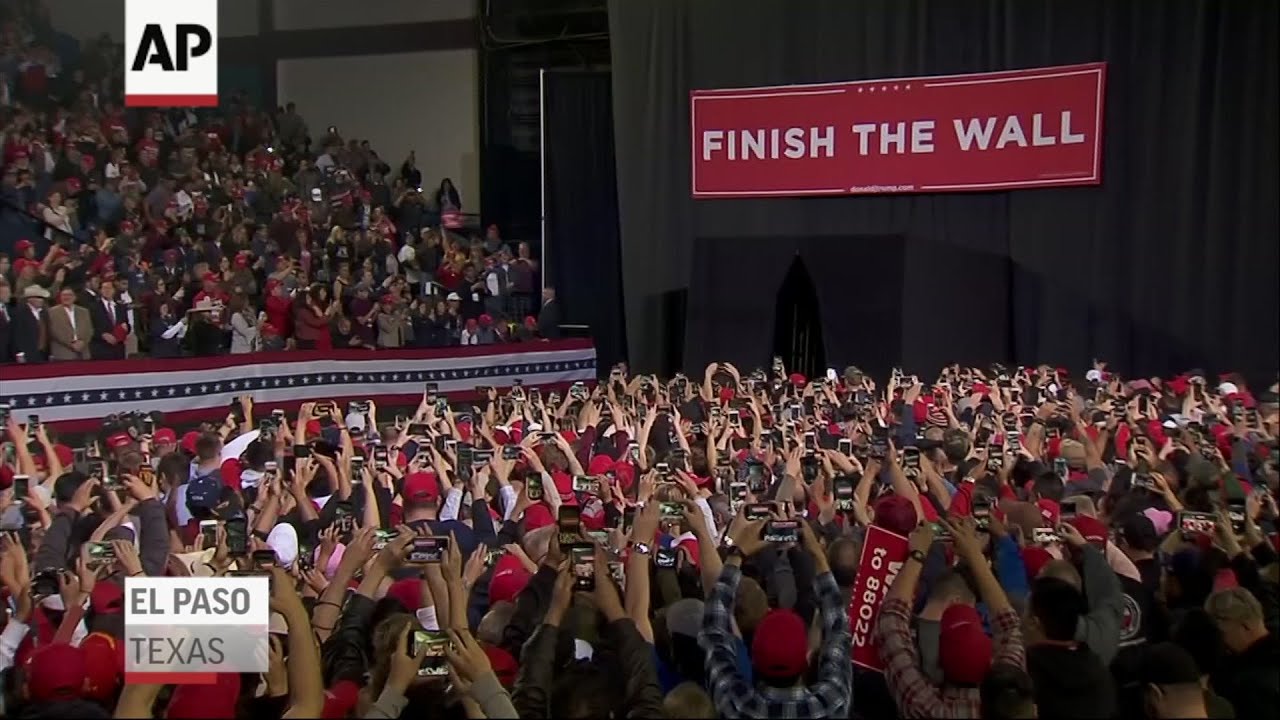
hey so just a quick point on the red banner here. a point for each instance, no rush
(883, 553)
(987, 131)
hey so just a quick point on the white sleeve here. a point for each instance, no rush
(508, 496)
(705, 507)
(179, 329)
(10, 639)
(452, 503)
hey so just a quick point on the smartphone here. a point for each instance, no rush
(533, 486)
(583, 558)
(879, 441)
(511, 452)
(382, 536)
(433, 645)
(33, 424)
(1045, 536)
(995, 458)
(665, 557)
(782, 531)
(344, 518)
(1191, 524)
(663, 469)
(418, 430)
(982, 513)
(738, 491)
(569, 522)
(671, 511)
(148, 428)
(586, 484)
(425, 550)
(209, 532)
(237, 536)
(755, 477)
(1060, 467)
(911, 461)
(759, 511)
(628, 518)
(357, 470)
(1067, 510)
(842, 489)
(1013, 439)
(4, 420)
(21, 488)
(810, 441)
(492, 556)
(844, 446)
(379, 458)
(45, 583)
(100, 554)
(1236, 511)
(263, 559)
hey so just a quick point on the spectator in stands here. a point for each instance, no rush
(244, 325)
(71, 329)
(447, 198)
(110, 324)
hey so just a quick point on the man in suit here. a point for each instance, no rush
(6, 321)
(30, 328)
(108, 317)
(70, 328)
(549, 315)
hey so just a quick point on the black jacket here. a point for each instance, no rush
(549, 320)
(25, 334)
(1070, 682)
(100, 349)
(1250, 681)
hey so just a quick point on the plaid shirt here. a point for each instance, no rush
(832, 694)
(915, 695)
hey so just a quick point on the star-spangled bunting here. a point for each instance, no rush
(308, 383)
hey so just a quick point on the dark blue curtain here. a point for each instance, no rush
(582, 256)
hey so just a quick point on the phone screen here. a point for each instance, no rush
(782, 531)
(21, 487)
(843, 492)
(569, 522)
(1191, 524)
(426, 550)
(433, 644)
(237, 536)
(533, 487)
(209, 532)
(844, 446)
(583, 559)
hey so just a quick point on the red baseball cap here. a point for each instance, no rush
(104, 664)
(780, 645)
(1091, 528)
(509, 578)
(189, 441)
(421, 487)
(408, 592)
(164, 436)
(56, 672)
(964, 650)
(505, 665)
(340, 699)
(1050, 512)
(118, 440)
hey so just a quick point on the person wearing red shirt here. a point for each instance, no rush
(279, 308)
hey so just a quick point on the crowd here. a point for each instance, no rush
(192, 232)
(1084, 547)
